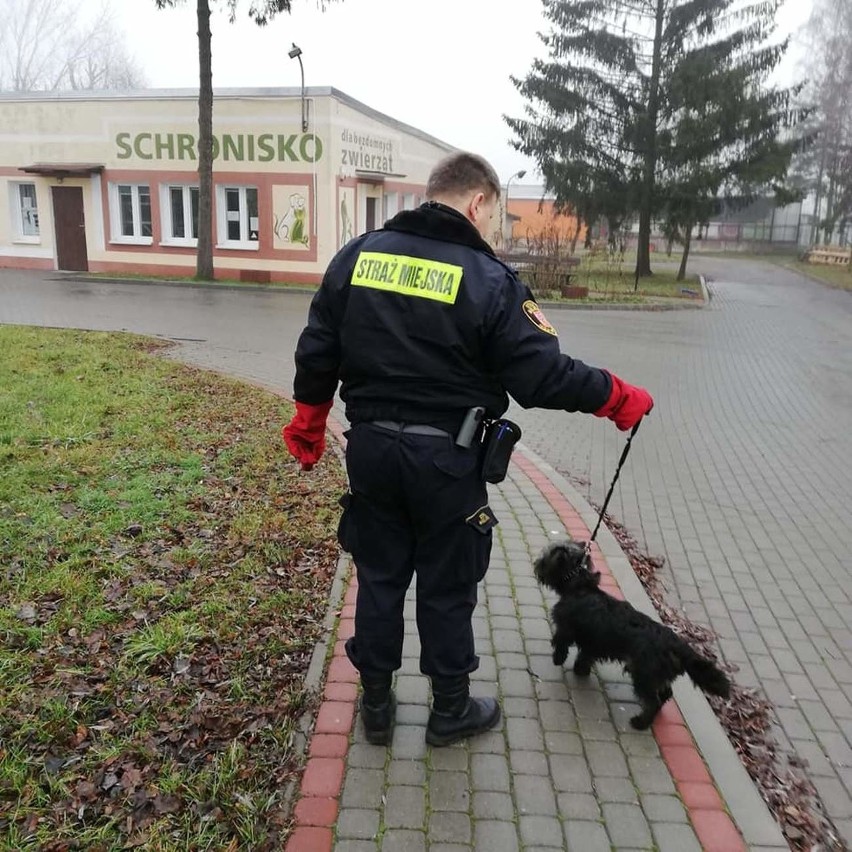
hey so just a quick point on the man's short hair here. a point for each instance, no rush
(461, 173)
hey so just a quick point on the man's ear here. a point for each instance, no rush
(475, 205)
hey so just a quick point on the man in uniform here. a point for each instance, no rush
(420, 323)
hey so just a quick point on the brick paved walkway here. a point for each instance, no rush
(564, 771)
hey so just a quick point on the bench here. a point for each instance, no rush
(828, 255)
(559, 270)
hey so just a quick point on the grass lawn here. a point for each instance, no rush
(617, 285)
(835, 276)
(610, 278)
(164, 573)
(766, 257)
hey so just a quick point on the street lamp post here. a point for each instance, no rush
(518, 174)
(295, 52)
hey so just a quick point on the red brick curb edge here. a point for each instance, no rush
(317, 804)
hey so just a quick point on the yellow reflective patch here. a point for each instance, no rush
(409, 276)
(536, 316)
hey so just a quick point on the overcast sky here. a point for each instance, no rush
(440, 65)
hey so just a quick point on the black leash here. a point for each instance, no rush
(621, 461)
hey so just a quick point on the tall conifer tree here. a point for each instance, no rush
(659, 103)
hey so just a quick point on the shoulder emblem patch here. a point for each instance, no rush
(536, 316)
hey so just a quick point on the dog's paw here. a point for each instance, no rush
(640, 722)
(559, 658)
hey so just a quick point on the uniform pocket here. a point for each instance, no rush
(456, 462)
(346, 532)
(483, 520)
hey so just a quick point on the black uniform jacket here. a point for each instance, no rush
(420, 321)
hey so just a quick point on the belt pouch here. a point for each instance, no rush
(500, 439)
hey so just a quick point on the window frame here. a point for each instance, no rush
(167, 223)
(17, 210)
(391, 205)
(244, 243)
(116, 235)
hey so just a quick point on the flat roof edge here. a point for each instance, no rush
(227, 93)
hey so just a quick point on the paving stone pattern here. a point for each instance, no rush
(564, 770)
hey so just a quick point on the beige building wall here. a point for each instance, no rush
(313, 189)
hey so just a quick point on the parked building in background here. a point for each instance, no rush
(107, 182)
(531, 223)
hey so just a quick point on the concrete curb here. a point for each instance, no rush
(622, 306)
(304, 290)
(316, 805)
(744, 803)
(190, 285)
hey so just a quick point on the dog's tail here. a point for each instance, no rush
(707, 675)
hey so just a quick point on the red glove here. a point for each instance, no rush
(304, 435)
(627, 404)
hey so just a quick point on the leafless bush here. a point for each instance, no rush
(546, 271)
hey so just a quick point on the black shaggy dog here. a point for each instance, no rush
(604, 628)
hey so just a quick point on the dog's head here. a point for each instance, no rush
(566, 568)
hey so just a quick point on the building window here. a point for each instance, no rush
(408, 201)
(130, 208)
(238, 219)
(25, 207)
(370, 212)
(179, 208)
(391, 205)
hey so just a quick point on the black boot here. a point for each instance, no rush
(378, 708)
(455, 715)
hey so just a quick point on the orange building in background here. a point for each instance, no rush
(532, 219)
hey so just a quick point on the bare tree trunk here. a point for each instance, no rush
(818, 201)
(830, 214)
(687, 241)
(576, 234)
(204, 267)
(643, 254)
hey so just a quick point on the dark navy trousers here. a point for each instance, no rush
(415, 507)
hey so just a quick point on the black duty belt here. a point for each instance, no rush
(412, 428)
